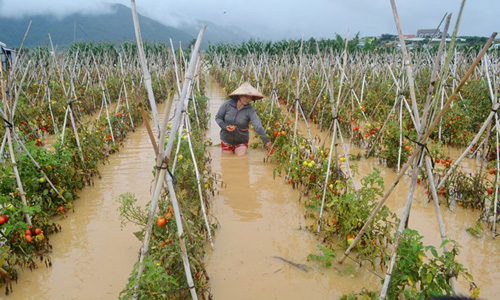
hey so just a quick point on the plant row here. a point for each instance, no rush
(69, 116)
(421, 271)
(164, 275)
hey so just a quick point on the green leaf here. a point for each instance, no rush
(138, 235)
(434, 252)
(468, 275)
(428, 278)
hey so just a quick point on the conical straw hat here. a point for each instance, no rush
(248, 90)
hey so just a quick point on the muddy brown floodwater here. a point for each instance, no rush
(480, 255)
(92, 256)
(261, 226)
(261, 218)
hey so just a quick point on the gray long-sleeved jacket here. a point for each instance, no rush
(228, 114)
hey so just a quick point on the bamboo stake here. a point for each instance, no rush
(422, 141)
(346, 156)
(296, 103)
(149, 225)
(494, 100)
(175, 68)
(69, 110)
(451, 48)
(434, 72)
(144, 66)
(180, 232)
(163, 158)
(2, 148)
(104, 100)
(336, 107)
(497, 181)
(80, 151)
(8, 129)
(407, 64)
(198, 181)
(149, 130)
(20, 48)
(54, 123)
(180, 130)
(334, 141)
(326, 179)
(16, 97)
(23, 147)
(428, 162)
(184, 93)
(64, 125)
(417, 165)
(467, 150)
(401, 227)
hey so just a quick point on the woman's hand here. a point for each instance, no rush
(230, 128)
(268, 145)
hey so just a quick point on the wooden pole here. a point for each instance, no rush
(149, 130)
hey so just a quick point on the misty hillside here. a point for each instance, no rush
(115, 27)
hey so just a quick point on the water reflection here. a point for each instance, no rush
(241, 195)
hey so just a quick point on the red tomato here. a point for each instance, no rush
(161, 222)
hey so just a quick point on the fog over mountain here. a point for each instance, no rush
(113, 25)
(281, 19)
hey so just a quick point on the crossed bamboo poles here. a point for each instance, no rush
(334, 115)
(418, 153)
(417, 121)
(62, 69)
(23, 67)
(162, 161)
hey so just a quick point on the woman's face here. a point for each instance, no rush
(245, 99)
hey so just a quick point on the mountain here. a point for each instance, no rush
(219, 34)
(114, 27)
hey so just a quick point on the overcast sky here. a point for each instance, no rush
(267, 19)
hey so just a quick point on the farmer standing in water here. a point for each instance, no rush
(234, 118)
